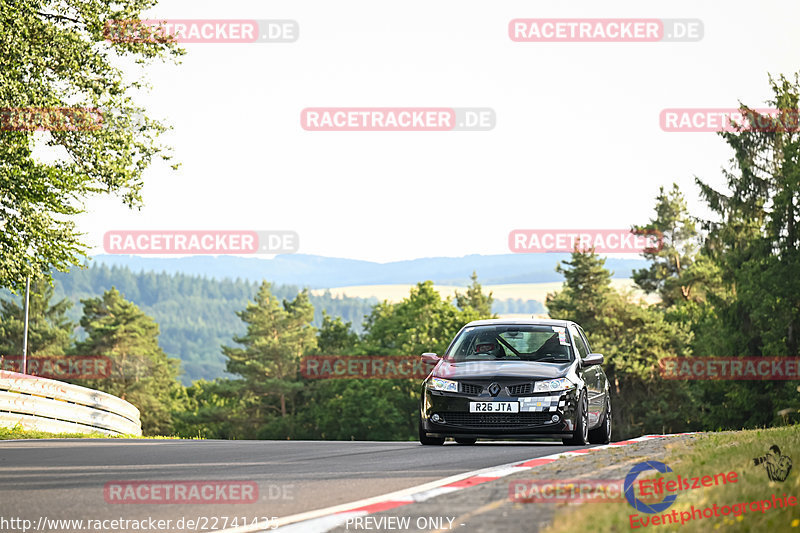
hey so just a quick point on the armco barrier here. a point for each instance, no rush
(57, 407)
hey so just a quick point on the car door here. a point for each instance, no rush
(592, 375)
(602, 380)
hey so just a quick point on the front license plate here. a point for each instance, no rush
(494, 407)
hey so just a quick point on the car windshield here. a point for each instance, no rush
(547, 344)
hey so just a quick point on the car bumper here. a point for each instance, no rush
(533, 421)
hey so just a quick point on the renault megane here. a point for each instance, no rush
(516, 379)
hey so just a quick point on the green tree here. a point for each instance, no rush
(49, 329)
(422, 322)
(633, 338)
(141, 372)
(336, 337)
(278, 335)
(586, 290)
(753, 241)
(56, 55)
(678, 272)
(212, 410)
(361, 409)
(325, 409)
(475, 300)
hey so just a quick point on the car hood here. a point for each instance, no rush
(492, 370)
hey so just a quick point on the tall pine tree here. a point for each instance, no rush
(475, 300)
(756, 237)
(633, 338)
(278, 335)
(754, 241)
(141, 372)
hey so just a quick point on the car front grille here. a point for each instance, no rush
(519, 390)
(496, 420)
(470, 388)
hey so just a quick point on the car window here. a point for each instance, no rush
(511, 343)
(585, 339)
(580, 344)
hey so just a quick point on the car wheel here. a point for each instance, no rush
(429, 441)
(465, 441)
(580, 435)
(602, 435)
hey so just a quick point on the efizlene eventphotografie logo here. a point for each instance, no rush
(636, 503)
(777, 465)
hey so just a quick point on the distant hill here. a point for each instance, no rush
(511, 298)
(319, 272)
(196, 315)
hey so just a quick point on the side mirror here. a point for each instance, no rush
(593, 359)
(430, 358)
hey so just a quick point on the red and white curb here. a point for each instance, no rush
(331, 517)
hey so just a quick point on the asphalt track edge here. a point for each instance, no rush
(321, 520)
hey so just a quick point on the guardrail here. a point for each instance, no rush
(57, 407)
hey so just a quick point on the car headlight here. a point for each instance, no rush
(552, 385)
(443, 385)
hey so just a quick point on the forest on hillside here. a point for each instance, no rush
(197, 315)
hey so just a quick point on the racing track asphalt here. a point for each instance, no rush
(64, 479)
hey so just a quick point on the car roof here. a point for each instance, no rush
(521, 322)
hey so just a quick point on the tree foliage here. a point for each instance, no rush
(633, 338)
(268, 362)
(328, 409)
(474, 299)
(56, 56)
(753, 242)
(50, 331)
(754, 239)
(141, 372)
(678, 272)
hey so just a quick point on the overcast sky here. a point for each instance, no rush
(577, 142)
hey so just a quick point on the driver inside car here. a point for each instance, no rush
(489, 345)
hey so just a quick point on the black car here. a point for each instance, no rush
(516, 379)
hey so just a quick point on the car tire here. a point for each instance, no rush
(580, 435)
(466, 441)
(602, 434)
(428, 441)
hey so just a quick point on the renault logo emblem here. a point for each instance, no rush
(494, 389)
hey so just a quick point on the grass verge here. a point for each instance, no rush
(17, 432)
(713, 453)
